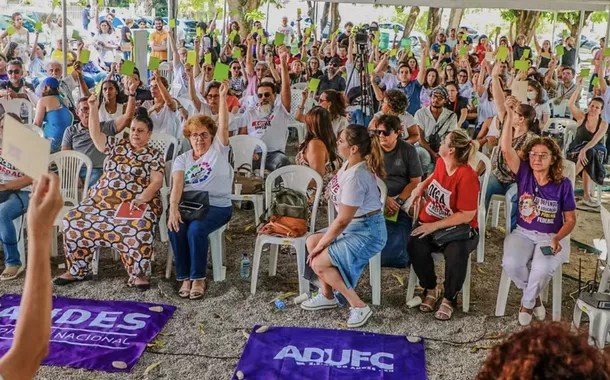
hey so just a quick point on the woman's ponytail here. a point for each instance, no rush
(368, 146)
(465, 148)
(375, 158)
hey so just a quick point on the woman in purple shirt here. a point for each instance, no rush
(546, 216)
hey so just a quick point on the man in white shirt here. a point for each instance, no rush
(269, 120)
(286, 30)
(434, 123)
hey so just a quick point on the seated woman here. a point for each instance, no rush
(546, 217)
(319, 149)
(587, 149)
(339, 253)
(205, 168)
(332, 101)
(112, 101)
(15, 189)
(133, 174)
(53, 113)
(403, 173)
(451, 200)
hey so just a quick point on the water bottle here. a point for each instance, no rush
(24, 113)
(279, 304)
(244, 269)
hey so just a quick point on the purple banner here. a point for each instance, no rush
(100, 335)
(319, 354)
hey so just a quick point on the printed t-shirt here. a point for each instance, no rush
(541, 207)
(355, 187)
(270, 127)
(447, 194)
(211, 173)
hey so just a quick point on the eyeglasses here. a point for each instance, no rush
(213, 96)
(208, 69)
(16, 71)
(266, 95)
(333, 65)
(541, 156)
(202, 136)
(380, 132)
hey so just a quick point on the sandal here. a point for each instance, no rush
(427, 308)
(197, 291)
(443, 315)
(185, 290)
(11, 273)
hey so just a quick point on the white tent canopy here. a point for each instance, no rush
(541, 5)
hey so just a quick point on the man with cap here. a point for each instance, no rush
(77, 136)
(434, 122)
(332, 80)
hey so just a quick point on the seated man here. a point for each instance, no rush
(15, 87)
(269, 120)
(77, 136)
(403, 173)
(434, 122)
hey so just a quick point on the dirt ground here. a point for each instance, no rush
(205, 338)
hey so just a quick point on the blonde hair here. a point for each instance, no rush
(465, 148)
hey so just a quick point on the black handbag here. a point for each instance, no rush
(194, 205)
(454, 233)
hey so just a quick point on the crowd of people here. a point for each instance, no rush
(418, 123)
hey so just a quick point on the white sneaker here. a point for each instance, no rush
(525, 318)
(319, 302)
(358, 316)
(540, 312)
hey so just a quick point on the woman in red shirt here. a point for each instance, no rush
(482, 48)
(451, 198)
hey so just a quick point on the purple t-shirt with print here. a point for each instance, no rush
(541, 207)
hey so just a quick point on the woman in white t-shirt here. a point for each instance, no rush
(205, 168)
(162, 109)
(339, 253)
(15, 191)
(110, 107)
(535, 98)
(107, 43)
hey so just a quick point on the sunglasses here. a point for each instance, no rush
(16, 71)
(266, 95)
(333, 65)
(213, 96)
(209, 69)
(380, 132)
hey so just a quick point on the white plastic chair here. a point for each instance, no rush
(164, 142)
(603, 282)
(375, 261)
(481, 211)
(243, 147)
(217, 248)
(166, 71)
(15, 105)
(295, 95)
(297, 178)
(299, 86)
(69, 164)
(569, 171)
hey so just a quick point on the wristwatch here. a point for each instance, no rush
(400, 201)
(132, 94)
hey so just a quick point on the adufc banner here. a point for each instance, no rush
(318, 354)
(99, 335)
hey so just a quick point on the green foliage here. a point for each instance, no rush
(199, 9)
(255, 15)
(599, 17)
(508, 15)
(421, 24)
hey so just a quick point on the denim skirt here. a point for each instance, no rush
(362, 239)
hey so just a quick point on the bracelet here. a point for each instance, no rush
(132, 94)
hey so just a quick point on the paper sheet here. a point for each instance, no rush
(25, 149)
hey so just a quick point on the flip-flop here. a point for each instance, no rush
(7, 277)
(439, 313)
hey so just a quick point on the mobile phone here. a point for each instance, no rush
(191, 205)
(547, 250)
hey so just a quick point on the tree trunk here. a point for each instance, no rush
(413, 13)
(324, 18)
(526, 23)
(434, 21)
(455, 18)
(147, 6)
(335, 17)
(310, 10)
(571, 23)
(242, 7)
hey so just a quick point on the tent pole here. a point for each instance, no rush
(580, 26)
(315, 17)
(608, 26)
(170, 15)
(554, 27)
(224, 22)
(64, 32)
(267, 17)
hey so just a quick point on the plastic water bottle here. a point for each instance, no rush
(244, 269)
(279, 304)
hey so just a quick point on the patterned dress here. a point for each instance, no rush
(92, 225)
(331, 169)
